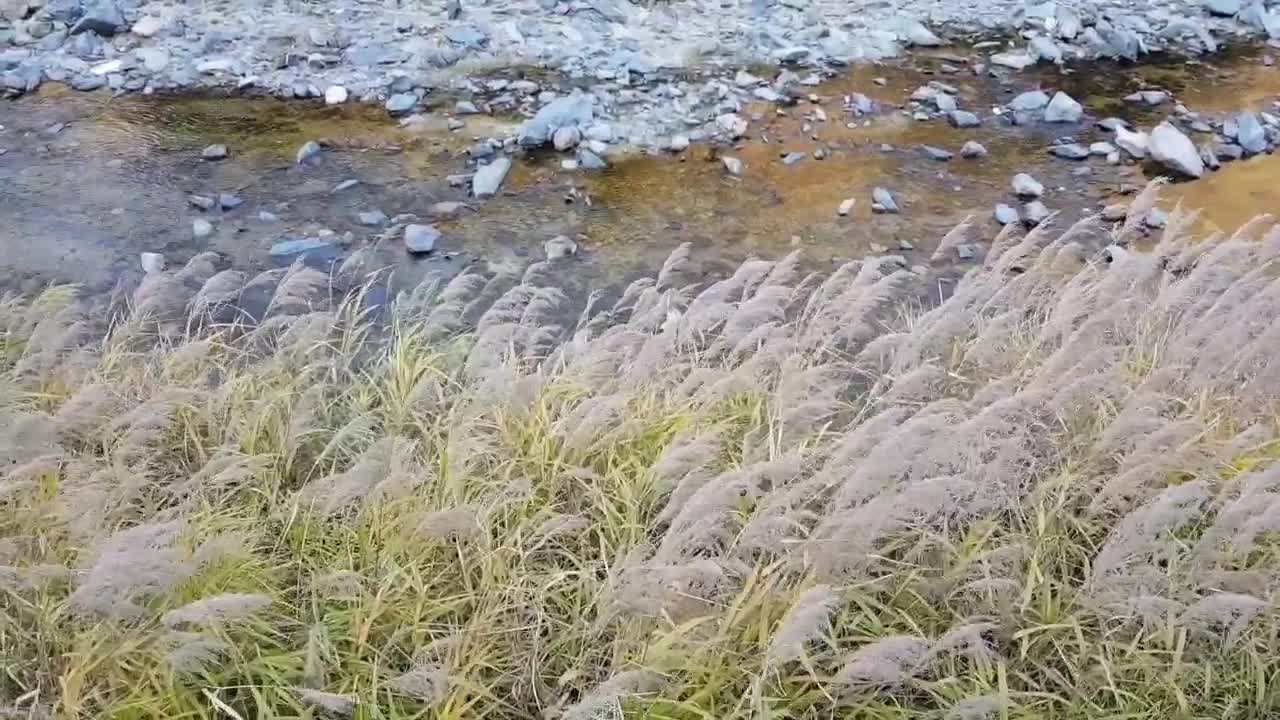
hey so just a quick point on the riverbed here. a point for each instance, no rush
(89, 181)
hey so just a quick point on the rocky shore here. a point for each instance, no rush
(655, 73)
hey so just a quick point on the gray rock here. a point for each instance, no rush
(1101, 149)
(1029, 101)
(1221, 8)
(917, 34)
(290, 248)
(201, 202)
(102, 17)
(792, 158)
(1209, 157)
(1069, 23)
(566, 138)
(1228, 152)
(309, 152)
(148, 26)
(560, 247)
(1026, 186)
(1250, 134)
(401, 103)
(1112, 123)
(420, 238)
(882, 201)
(268, 217)
(1014, 60)
(335, 95)
(973, 150)
(600, 132)
(1045, 49)
(944, 102)
(152, 262)
(679, 143)
(767, 94)
(572, 111)
(371, 218)
(201, 229)
(1174, 150)
(1134, 143)
(966, 251)
(1155, 218)
(1034, 213)
(1150, 98)
(936, 153)
(1069, 151)
(465, 107)
(488, 178)
(214, 152)
(345, 185)
(1006, 215)
(229, 201)
(446, 209)
(468, 36)
(1063, 109)
(732, 125)
(963, 119)
(732, 165)
(370, 55)
(154, 60)
(588, 160)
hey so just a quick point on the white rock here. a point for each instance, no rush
(1063, 109)
(566, 138)
(846, 207)
(1015, 60)
(147, 26)
(420, 238)
(1026, 186)
(152, 262)
(335, 95)
(679, 143)
(488, 178)
(201, 228)
(309, 151)
(1134, 143)
(1171, 148)
(560, 247)
(732, 125)
(107, 68)
(732, 164)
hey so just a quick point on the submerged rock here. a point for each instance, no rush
(309, 152)
(936, 153)
(420, 238)
(973, 150)
(882, 201)
(1069, 151)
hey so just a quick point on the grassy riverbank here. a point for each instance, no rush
(1053, 496)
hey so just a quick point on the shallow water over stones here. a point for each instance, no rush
(80, 203)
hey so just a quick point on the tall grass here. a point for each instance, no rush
(1052, 496)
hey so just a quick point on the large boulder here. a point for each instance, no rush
(1175, 151)
(572, 111)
